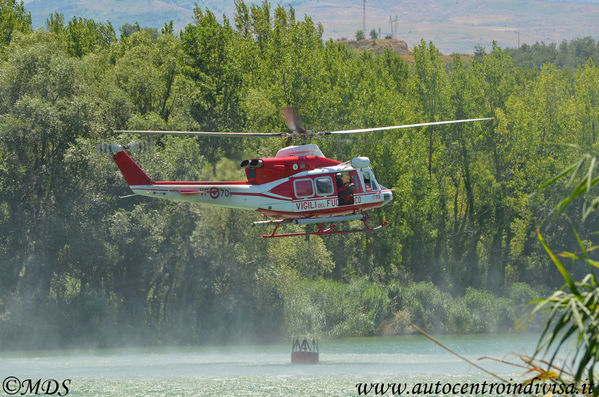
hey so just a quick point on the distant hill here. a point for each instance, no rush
(378, 46)
(150, 13)
(452, 25)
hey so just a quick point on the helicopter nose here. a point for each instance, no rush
(387, 197)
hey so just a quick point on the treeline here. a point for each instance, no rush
(568, 55)
(79, 266)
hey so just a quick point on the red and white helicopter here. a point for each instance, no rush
(299, 185)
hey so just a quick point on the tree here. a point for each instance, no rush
(261, 22)
(85, 35)
(373, 34)
(55, 23)
(497, 78)
(128, 29)
(167, 28)
(13, 18)
(479, 52)
(43, 114)
(360, 35)
(243, 23)
(211, 64)
(431, 84)
(461, 171)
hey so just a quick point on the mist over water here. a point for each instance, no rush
(266, 370)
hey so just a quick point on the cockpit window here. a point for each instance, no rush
(303, 188)
(373, 184)
(369, 181)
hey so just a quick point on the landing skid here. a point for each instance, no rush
(323, 229)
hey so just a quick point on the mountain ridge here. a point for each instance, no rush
(453, 26)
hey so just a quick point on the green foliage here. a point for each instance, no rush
(328, 308)
(214, 72)
(360, 35)
(308, 259)
(488, 313)
(522, 294)
(463, 215)
(13, 18)
(127, 30)
(476, 311)
(85, 35)
(55, 23)
(568, 55)
(427, 306)
(573, 310)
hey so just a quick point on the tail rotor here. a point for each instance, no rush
(114, 148)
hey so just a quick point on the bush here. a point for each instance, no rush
(330, 308)
(477, 311)
(521, 295)
(459, 318)
(364, 308)
(427, 305)
(488, 312)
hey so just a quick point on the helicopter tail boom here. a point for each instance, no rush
(132, 172)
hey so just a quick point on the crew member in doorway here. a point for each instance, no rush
(345, 190)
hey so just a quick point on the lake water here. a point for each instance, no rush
(266, 370)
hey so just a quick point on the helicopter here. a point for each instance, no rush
(298, 186)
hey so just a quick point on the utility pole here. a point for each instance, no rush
(364, 16)
(393, 23)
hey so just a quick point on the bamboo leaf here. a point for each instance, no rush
(558, 264)
(575, 166)
(590, 208)
(590, 173)
(575, 172)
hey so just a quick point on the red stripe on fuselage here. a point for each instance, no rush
(200, 183)
(260, 195)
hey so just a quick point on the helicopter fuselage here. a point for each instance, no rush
(298, 183)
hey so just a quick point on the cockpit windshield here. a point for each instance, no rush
(369, 181)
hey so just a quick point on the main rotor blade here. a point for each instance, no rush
(396, 127)
(206, 133)
(292, 119)
(295, 122)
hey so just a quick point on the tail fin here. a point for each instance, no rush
(132, 172)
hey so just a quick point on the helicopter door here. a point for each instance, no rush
(346, 186)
